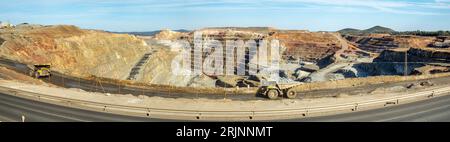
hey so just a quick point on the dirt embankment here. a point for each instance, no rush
(72, 50)
(8, 74)
(377, 43)
(307, 46)
(414, 41)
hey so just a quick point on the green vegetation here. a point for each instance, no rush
(384, 30)
(424, 33)
(373, 30)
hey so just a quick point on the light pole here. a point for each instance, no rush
(406, 63)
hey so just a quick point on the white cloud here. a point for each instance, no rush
(398, 7)
(388, 6)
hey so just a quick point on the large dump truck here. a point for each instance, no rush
(273, 90)
(40, 70)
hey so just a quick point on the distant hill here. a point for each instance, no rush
(350, 31)
(379, 30)
(150, 33)
(244, 28)
(249, 29)
(373, 30)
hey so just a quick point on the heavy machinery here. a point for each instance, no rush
(273, 90)
(40, 70)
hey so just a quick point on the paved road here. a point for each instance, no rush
(12, 108)
(431, 110)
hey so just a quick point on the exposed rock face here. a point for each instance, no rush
(307, 46)
(378, 43)
(376, 69)
(72, 50)
(1, 41)
(5, 25)
(431, 69)
(392, 62)
(296, 45)
(441, 42)
(167, 34)
(159, 71)
(415, 55)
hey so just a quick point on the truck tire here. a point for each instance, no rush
(291, 94)
(36, 75)
(272, 94)
(31, 73)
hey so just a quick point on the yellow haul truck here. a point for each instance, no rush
(273, 90)
(40, 70)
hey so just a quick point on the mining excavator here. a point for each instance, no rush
(273, 90)
(40, 70)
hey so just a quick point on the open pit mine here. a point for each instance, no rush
(308, 60)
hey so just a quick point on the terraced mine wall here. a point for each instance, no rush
(73, 51)
(392, 62)
(307, 46)
(424, 55)
(378, 44)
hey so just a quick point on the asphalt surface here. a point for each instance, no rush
(430, 110)
(13, 108)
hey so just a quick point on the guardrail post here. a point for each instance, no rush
(118, 87)
(225, 94)
(306, 113)
(13, 92)
(148, 112)
(79, 82)
(431, 95)
(198, 116)
(356, 107)
(143, 87)
(252, 116)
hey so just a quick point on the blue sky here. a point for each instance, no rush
(314, 15)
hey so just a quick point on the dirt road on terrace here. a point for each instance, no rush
(321, 75)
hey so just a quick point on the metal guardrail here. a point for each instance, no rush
(241, 115)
